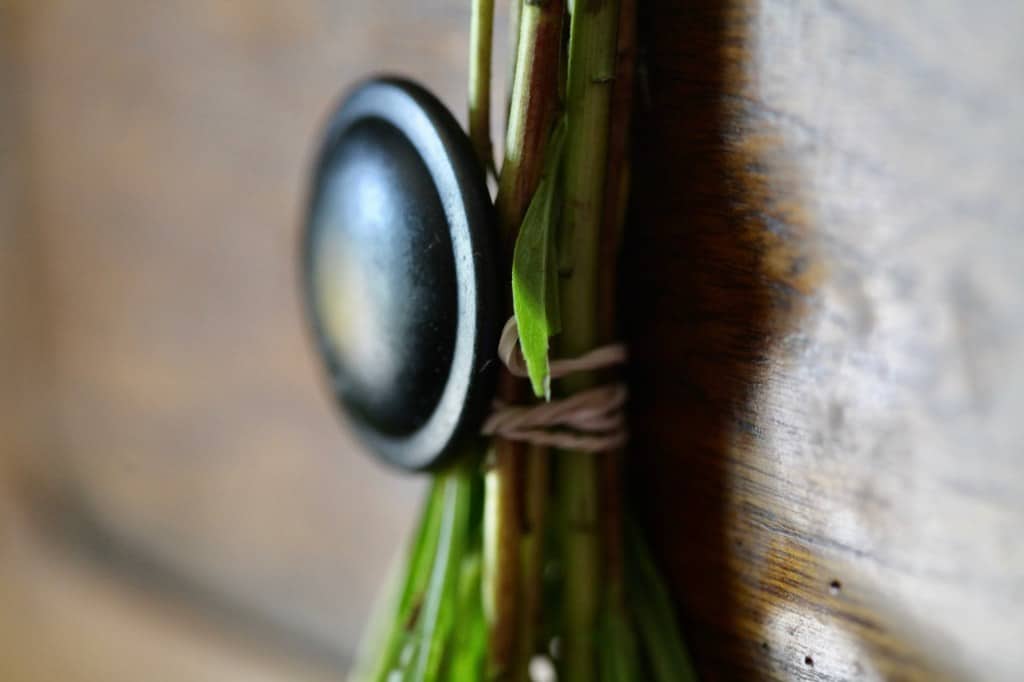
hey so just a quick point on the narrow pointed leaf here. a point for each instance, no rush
(535, 271)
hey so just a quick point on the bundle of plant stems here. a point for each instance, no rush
(524, 557)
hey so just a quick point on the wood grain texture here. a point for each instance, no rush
(64, 616)
(156, 364)
(824, 294)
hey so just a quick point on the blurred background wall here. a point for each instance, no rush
(163, 413)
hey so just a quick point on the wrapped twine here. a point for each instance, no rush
(592, 420)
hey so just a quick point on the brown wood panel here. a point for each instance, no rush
(168, 403)
(825, 296)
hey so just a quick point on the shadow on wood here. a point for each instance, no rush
(699, 316)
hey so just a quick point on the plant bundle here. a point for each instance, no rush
(525, 562)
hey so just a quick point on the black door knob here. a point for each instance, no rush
(400, 272)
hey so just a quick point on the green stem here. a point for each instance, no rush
(537, 473)
(592, 41)
(514, 14)
(481, 31)
(620, 647)
(502, 535)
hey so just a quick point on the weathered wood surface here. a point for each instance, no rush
(825, 280)
(823, 285)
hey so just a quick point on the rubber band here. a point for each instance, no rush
(591, 420)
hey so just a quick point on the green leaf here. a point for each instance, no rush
(419, 636)
(656, 623)
(381, 653)
(616, 640)
(535, 270)
(468, 650)
(437, 616)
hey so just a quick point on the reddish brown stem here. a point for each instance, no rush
(533, 108)
(616, 194)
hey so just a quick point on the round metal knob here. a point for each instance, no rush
(400, 272)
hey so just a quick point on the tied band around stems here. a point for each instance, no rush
(591, 420)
